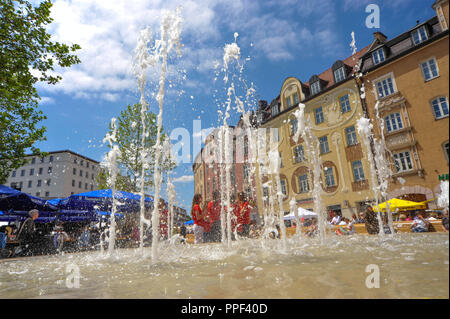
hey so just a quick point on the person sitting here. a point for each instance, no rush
(28, 236)
(361, 218)
(419, 225)
(313, 230)
(371, 221)
(336, 219)
(445, 222)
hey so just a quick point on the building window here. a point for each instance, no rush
(350, 132)
(315, 87)
(49, 170)
(79, 184)
(73, 183)
(47, 194)
(283, 187)
(13, 174)
(42, 159)
(445, 146)
(429, 69)
(85, 186)
(288, 102)
(92, 187)
(81, 162)
(87, 164)
(31, 171)
(74, 171)
(403, 161)
(419, 35)
(245, 145)
(245, 171)
(49, 181)
(385, 87)
(339, 74)
(75, 160)
(345, 104)
(30, 183)
(295, 97)
(324, 145)
(303, 183)
(299, 154)
(393, 122)
(318, 115)
(358, 172)
(22, 172)
(87, 175)
(274, 109)
(33, 160)
(440, 107)
(40, 170)
(92, 176)
(38, 194)
(20, 185)
(329, 177)
(294, 126)
(378, 56)
(81, 173)
(51, 159)
(39, 183)
(281, 159)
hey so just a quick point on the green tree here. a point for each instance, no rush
(129, 139)
(123, 183)
(27, 56)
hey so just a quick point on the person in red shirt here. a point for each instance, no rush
(243, 215)
(200, 219)
(214, 208)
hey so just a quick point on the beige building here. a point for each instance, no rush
(407, 79)
(333, 105)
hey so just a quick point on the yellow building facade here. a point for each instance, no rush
(332, 112)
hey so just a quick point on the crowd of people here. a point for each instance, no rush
(207, 221)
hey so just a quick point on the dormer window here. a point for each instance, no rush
(315, 88)
(419, 35)
(295, 97)
(274, 109)
(288, 102)
(378, 56)
(339, 74)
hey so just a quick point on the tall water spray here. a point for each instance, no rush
(364, 128)
(112, 168)
(315, 163)
(170, 32)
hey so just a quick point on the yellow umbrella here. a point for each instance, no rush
(401, 204)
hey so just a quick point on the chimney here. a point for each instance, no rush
(379, 36)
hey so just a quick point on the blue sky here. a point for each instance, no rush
(277, 38)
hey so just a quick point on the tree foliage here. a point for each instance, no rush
(27, 56)
(129, 139)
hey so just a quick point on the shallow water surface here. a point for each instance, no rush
(410, 266)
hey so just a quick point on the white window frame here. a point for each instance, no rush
(378, 57)
(294, 126)
(381, 79)
(329, 177)
(405, 165)
(283, 186)
(426, 64)
(301, 158)
(322, 145)
(303, 185)
(441, 110)
(315, 87)
(322, 119)
(360, 169)
(393, 120)
(420, 39)
(345, 100)
(354, 138)
(274, 109)
(339, 74)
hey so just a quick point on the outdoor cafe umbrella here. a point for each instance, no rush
(102, 200)
(301, 214)
(12, 199)
(400, 204)
(190, 222)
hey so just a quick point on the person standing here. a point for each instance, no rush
(199, 219)
(243, 216)
(27, 235)
(214, 208)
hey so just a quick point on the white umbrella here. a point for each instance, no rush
(301, 213)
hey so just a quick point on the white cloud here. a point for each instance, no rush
(47, 100)
(184, 179)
